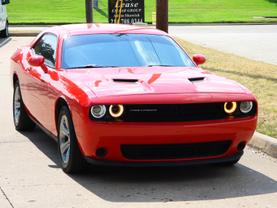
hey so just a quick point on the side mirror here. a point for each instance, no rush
(5, 2)
(199, 59)
(37, 61)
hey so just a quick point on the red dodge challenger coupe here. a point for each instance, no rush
(128, 96)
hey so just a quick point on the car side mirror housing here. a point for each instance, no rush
(5, 2)
(37, 61)
(199, 59)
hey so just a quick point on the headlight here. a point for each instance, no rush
(116, 110)
(98, 111)
(246, 107)
(230, 107)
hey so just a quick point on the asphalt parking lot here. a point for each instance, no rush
(30, 175)
(257, 42)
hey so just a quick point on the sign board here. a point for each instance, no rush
(126, 11)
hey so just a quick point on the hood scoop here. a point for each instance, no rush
(126, 80)
(196, 79)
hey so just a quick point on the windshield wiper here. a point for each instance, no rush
(163, 65)
(90, 66)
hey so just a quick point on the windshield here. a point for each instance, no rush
(122, 50)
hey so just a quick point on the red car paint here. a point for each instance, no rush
(82, 88)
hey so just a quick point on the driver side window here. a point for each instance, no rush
(46, 47)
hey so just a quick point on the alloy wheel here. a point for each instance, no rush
(17, 105)
(64, 139)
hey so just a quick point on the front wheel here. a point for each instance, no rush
(71, 157)
(22, 121)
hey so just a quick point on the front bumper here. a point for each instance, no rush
(111, 135)
(231, 159)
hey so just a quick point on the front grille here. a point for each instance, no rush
(187, 112)
(178, 112)
(174, 151)
(175, 112)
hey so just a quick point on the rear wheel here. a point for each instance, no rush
(22, 122)
(71, 157)
(5, 33)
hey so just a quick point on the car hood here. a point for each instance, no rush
(159, 80)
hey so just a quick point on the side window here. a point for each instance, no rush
(47, 46)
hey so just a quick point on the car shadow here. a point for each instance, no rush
(4, 41)
(163, 184)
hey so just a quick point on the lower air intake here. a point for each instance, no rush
(174, 151)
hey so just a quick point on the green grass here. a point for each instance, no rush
(180, 11)
(260, 78)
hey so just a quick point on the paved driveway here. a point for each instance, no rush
(30, 175)
(257, 42)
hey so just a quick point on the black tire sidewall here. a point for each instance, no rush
(7, 30)
(17, 125)
(75, 156)
(24, 121)
(5, 33)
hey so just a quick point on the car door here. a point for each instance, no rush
(38, 80)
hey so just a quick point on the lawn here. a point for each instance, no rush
(260, 78)
(180, 11)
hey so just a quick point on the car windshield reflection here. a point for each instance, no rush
(124, 50)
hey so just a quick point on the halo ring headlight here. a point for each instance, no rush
(246, 106)
(116, 110)
(98, 111)
(230, 107)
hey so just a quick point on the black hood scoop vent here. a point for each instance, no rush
(126, 80)
(196, 79)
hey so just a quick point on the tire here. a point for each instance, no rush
(22, 121)
(230, 163)
(5, 33)
(72, 160)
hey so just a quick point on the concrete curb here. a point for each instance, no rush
(27, 30)
(33, 30)
(264, 143)
(223, 24)
(22, 33)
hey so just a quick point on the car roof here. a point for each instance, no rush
(82, 29)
